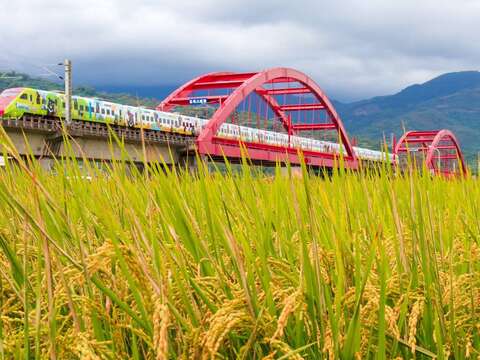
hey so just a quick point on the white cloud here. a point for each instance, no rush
(351, 48)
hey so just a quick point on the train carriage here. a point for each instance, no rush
(16, 102)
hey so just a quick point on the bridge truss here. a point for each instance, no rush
(438, 150)
(279, 99)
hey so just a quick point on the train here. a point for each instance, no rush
(16, 102)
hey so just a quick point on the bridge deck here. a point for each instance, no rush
(77, 128)
(46, 135)
(43, 137)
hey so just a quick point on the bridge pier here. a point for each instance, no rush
(47, 163)
(101, 150)
(296, 171)
(190, 160)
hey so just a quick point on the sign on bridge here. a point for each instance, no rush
(198, 101)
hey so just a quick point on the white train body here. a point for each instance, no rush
(174, 122)
(253, 135)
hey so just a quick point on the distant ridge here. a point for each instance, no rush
(450, 101)
(442, 85)
(143, 91)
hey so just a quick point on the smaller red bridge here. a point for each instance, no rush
(280, 100)
(438, 149)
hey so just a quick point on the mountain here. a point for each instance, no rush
(142, 91)
(449, 101)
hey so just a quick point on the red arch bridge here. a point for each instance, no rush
(270, 116)
(290, 104)
(437, 150)
(280, 101)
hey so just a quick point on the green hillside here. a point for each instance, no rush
(449, 101)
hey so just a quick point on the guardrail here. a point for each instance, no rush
(77, 128)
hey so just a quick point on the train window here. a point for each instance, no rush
(108, 112)
(24, 97)
(97, 108)
(103, 111)
(31, 99)
(75, 105)
(81, 107)
(38, 99)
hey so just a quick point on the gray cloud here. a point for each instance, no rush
(351, 48)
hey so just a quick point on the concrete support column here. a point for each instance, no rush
(190, 161)
(46, 163)
(295, 170)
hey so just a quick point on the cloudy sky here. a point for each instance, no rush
(352, 48)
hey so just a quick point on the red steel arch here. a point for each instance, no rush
(438, 148)
(260, 83)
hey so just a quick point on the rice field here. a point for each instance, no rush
(211, 265)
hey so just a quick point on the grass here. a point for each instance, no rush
(171, 264)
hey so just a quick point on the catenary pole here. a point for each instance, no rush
(68, 91)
